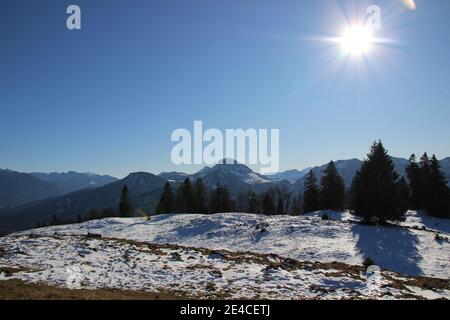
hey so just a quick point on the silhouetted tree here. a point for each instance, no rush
(280, 207)
(403, 194)
(200, 197)
(180, 205)
(332, 192)
(268, 204)
(311, 193)
(125, 207)
(93, 214)
(416, 184)
(297, 206)
(188, 197)
(252, 202)
(220, 200)
(438, 201)
(165, 204)
(375, 187)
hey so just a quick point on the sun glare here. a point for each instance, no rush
(356, 40)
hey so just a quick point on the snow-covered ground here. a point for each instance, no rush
(235, 255)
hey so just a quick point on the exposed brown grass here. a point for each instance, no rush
(15, 289)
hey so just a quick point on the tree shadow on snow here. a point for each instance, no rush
(390, 248)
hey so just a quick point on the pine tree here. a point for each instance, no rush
(311, 193)
(416, 184)
(220, 200)
(180, 205)
(268, 204)
(125, 207)
(55, 220)
(425, 171)
(200, 198)
(252, 202)
(108, 212)
(404, 194)
(188, 197)
(438, 201)
(165, 204)
(375, 187)
(297, 206)
(79, 220)
(332, 192)
(280, 208)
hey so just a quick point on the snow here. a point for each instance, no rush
(238, 255)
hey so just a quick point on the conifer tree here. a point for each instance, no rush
(425, 171)
(311, 193)
(188, 197)
(268, 204)
(220, 200)
(416, 184)
(108, 212)
(375, 188)
(438, 201)
(165, 204)
(252, 202)
(404, 194)
(280, 208)
(125, 207)
(200, 198)
(297, 206)
(180, 206)
(332, 192)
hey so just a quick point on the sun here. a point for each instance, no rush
(356, 40)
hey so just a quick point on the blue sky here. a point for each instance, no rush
(107, 98)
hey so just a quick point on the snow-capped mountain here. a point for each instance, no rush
(289, 175)
(173, 176)
(235, 176)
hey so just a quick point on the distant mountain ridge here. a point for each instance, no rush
(289, 175)
(69, 206)
(146, 188)
(17, 188)
(72, 181)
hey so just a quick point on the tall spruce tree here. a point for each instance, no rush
(268, 204)
(425, 171)
(220, 200)
(296, 207)
(200, 198)
(332, 192)
(188, 196)
(375, 188)
(125, 207)
(311, 193)
(404, 194)
(416, 184)
(252, 202)
(280, 207)
(165, 204)
(438, 201)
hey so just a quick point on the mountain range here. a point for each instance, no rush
(27, 199)
(18, 188)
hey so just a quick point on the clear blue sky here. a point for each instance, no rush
(106, 98)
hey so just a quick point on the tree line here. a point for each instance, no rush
(377, 194)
